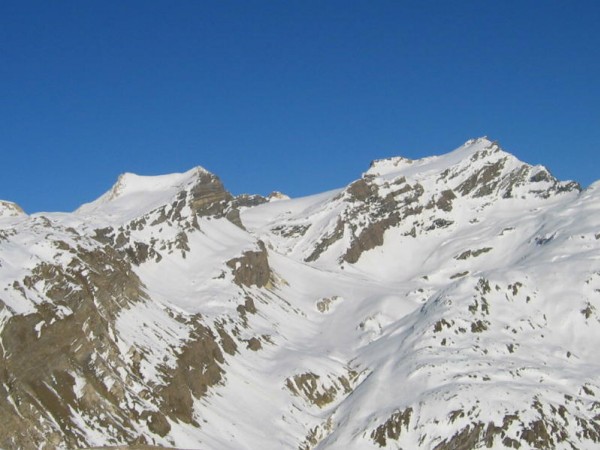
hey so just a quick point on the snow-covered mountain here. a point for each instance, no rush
(444, 303)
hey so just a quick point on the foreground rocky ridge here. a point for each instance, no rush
(447, 303)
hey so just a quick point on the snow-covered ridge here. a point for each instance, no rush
(478, 167)
(433, 165)
(413, 197)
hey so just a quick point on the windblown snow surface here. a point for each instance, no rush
(443, 303)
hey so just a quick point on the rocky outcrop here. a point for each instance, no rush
(208, 196)
(321, 391)
(252, 268)
(198, 368)
(378, 213)
(393, 427)
(369, 238)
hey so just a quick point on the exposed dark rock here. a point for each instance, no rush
(181, 243)
(310, 387)
(252, 268)
(479, 326)
(198, 368)
(522, 177)
(544, 240)
(392, 427)
(439, 223)
(140, 252)
(568, 187)
(247, 201)
(290, 231)
(7, 233)
(249, 305)
(208, 196)
(227, 342)
(369, 238)
(479, 435)
(445, 201)
(373, 214)
(473, 253)
(307, 386)
(254, 344)
(104, 235)
(537, 435)
(544, 432)
(233, 215)
(484, 181)
(542, 175)
(466, 439)
(440, 324)
(588, 310)
(316, 434)
(247, 308)
(362, 191)
(459, 275)
(324, 304)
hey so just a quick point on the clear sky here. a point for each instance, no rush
(296, 96)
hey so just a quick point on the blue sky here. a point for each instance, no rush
(297, 96)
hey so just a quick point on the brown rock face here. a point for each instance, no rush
(254, 344)
(208, 196)
(392, 428)
(198, 368)
(361, 190)
(321, 392)
(252, 268)
(445, 201)
(378, 212)
(369, 238)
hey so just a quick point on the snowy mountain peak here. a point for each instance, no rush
(131, 184)
(479, 167)
(10, 209)
(135, 195)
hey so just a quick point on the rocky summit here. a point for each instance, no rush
(451, 302)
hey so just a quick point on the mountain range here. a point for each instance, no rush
(450, 302)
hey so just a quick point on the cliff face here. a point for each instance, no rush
(448, 302)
